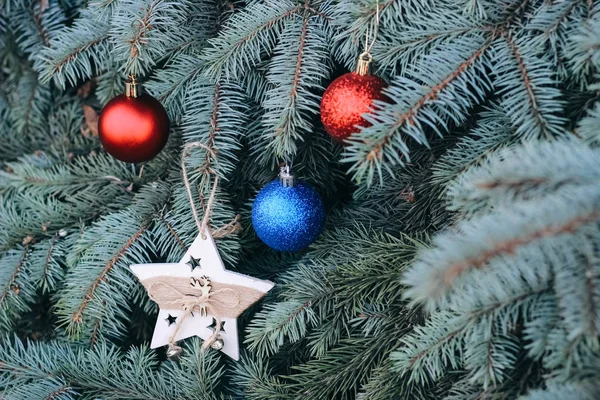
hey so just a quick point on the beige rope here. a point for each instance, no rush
(233, 227)
(202, 304)
(202, 225)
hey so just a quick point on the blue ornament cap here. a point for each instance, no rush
(288, 218)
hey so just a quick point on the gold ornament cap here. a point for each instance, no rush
(132, 87)
(363, 62)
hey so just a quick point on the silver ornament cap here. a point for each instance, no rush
(286, 177)
(174, 352)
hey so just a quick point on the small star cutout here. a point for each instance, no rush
(213, 325)
(193, 263)
(171, 319)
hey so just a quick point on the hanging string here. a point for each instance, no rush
(230, 228)
(203, 302)
(204, 223)
(369, 46)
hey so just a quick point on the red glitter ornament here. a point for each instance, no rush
(349, 97)
(133, 127)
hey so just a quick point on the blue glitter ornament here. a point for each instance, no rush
(288, 215)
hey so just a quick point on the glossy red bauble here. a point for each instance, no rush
(133, 129)
(346, 100)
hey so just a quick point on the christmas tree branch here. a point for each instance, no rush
(46, 260)
(409, 115)
(98, 285)
(284, 319)
(582, 49)
(340, 372)
(445, 332)
(31, 106)
(453, 271)
(591, 299)
(413, 109)
(553, 25)
(76, 52)
(82, 172)
(138, 45)
(497, 180)
(37, 27)
(587, 126)
(373, 278)
(59, 392)
(493, 132)
(520, 229)
(289, 103)
(538, 119)
(405, 51)
(355, 18)
(578, 295)
(133, 375)
(173, 233)
(235, 48)
(383, 384)
(73, 192)
(561, 18)
(10, 303)
(217, 122)
(584, 389)
(402, 44)
(13, 277)
(172, 83)
(89, 293)
(256, 381)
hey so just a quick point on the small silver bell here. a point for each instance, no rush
(174, 352)
(217, 344)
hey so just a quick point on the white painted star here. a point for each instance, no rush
(212, 267)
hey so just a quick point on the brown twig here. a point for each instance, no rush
(172, 231)
(60, 64)
(560, 19)
(14, 275)
(497, 183)
(58, 392)
(299, 57)
(527, 82)
(37, 19)
(94, 336)
(510, 246)
(49, 255)
(408, 116)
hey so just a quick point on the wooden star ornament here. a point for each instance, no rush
(199, 282)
